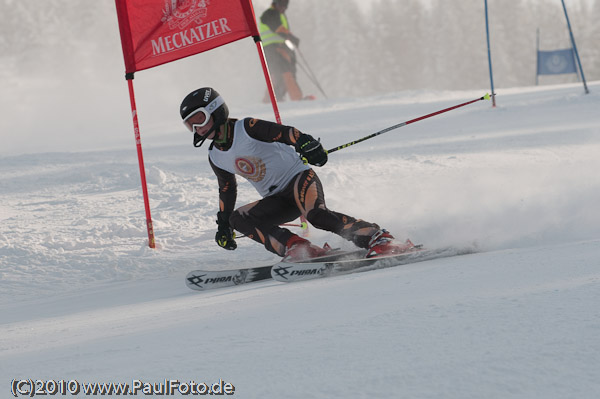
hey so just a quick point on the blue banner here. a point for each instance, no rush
(556, 62)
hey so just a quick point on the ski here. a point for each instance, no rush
(202, 280)
(316, 268)
(336, 263)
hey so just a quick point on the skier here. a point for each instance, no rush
(263, 153)
(279, 44)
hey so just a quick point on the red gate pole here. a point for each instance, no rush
(263, 61)
(138, 143)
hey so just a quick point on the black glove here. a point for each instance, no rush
(311, 150)
(225, 236)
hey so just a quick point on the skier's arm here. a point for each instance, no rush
(225, 236)
(272, 19)
(227, 188)
(270, 132)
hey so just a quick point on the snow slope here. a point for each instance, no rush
(82, 297)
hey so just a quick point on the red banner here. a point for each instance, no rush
(154, 32)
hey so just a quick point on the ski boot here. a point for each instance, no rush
(298, 249)
(382, 244)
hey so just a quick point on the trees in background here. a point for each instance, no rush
(391, 45)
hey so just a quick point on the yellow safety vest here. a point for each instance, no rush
(268, 36)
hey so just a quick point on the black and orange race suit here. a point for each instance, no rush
(303, 195)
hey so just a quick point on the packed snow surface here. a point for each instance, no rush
(82, 297)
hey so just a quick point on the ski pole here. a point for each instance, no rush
(311, 78)
(311, 75)
(302, 225)
(486, 97)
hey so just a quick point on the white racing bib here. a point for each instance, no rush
(269, 167)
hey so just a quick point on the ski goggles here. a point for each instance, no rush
(200, 117)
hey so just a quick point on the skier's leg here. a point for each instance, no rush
(260, 221)
(310, 199)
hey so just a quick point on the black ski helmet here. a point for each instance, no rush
(201, 98)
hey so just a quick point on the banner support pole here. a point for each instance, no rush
(575, 48)
(487, 31)
(265, 68)
(138, 143)
(537, 57)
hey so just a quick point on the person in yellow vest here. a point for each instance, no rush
(279, 44)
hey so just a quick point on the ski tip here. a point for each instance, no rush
(487, 96)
